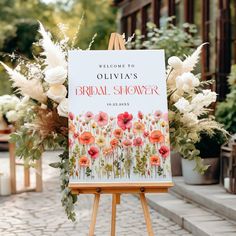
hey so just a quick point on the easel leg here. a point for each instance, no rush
(94, 214)
(146, 214)
(115, 200)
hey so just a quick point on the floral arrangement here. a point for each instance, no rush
(43, 82)
(189, 112)
(9, 104)
(102, 147)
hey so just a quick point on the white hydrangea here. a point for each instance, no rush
(11, 116)
(183, 105)
(187, 82)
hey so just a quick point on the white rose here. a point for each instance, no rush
(57, 92)
(11, 116)
(55, 75)
(175, 63)
(186, 82)
(182, 105)
(62, 108)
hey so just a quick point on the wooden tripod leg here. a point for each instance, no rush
(115, 201)
(94, 214)
(146, 214)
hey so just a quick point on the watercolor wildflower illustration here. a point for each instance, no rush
(126, 147)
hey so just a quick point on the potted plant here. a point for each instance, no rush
(209, 147)
(226, 110)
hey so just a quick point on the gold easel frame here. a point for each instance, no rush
(116, 42)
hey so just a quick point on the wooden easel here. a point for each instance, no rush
(116, 42)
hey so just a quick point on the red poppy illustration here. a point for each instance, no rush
(164, 151)
(93, 152)
(124, 120)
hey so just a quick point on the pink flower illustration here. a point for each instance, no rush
(137, 142)
(126, 143)
(118, 133)
(164, 151)
(88, 116)
(75, 135)
(124, 120)
(140, 115)
(71, 116)
(70, 143)
(157, 115)
(101, 119)
(93, 152)
(165, 116)
(145, 134)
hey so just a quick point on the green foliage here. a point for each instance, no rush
(177, 41)
(226, 111)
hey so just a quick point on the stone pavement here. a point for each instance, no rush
(41, 213)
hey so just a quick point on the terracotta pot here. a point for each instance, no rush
(211, 176)
(176, 165)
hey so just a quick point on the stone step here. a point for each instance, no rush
(190, 216)
(213, 197)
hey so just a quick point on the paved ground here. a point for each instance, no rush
(41, 213)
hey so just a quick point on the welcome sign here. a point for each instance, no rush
(118, 120)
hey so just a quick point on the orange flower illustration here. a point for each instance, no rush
(138, 127)
(156, 136)
(114, 143)
(155, 160)
(107, 151)
(86, 138)
(84, 161)
(118, 133)
(72, 128)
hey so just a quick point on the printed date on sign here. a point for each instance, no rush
(115, 104)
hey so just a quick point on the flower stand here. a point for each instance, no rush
(13, 164)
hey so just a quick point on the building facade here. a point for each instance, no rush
(215, 20)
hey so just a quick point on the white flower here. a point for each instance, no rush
(210, 96)
(53, 52)
(55, 75)
(57, 93)
(11, 116)
(189, 119)
(62, 108)
(203, 99)
(175, 63)
(186, 82)
(182, 105)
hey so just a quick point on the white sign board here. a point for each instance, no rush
(118, 120)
